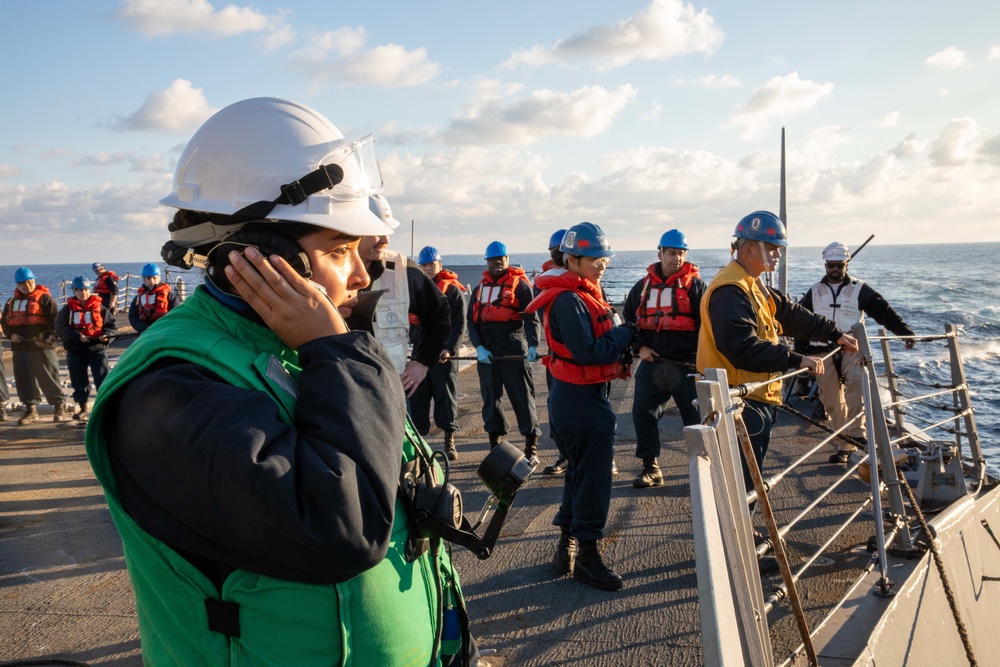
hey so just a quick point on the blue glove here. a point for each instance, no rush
(484, 355)
(532, 354)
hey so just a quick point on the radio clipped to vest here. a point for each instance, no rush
(437, 504)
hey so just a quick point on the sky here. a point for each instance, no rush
(507, 121)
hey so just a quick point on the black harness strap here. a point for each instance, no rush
(223, 617)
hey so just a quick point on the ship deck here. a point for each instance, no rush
(65, 593)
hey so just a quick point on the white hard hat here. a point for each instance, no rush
(379, 205)
(248, 153)
(836, 252)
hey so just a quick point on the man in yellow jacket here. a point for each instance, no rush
(742, 321)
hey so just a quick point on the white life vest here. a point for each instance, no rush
(842, 308)
(392, 324)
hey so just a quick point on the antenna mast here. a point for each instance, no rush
(783, 215)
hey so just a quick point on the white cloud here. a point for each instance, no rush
(155, 18)
(181, 108)
(949, 58)
(9, 170)
(910, 147)
(666, 28)
(994, 53)
(890, 119)
(781, 97)
(712, 81)
(957, 144)
(490, 118)
(652, 113)
(388, 65)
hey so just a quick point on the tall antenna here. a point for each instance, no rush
(783, 215)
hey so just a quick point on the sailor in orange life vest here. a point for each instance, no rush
(28, 320)
(741, 324)
(85, 327)
(500, 326)
(555, 261)
(846, 300)
(153, 299)
(106, 286)
(441, 383)
(664, 305)
(586, 349)
(399, 289)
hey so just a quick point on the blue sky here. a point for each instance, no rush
(510, 120)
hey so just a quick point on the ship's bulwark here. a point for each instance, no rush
(65, 591)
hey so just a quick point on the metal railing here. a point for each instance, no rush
(733, 607)
(128, 286)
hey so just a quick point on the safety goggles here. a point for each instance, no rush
(362, 175)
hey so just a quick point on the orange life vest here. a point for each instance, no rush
(496, 298)
(153, 303)
(560, 360)
(86, 317)
(102, 284)
(665, 305)
(27, 310)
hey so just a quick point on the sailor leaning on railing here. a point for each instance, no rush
(742, 322)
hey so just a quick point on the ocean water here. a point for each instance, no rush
(928, 285)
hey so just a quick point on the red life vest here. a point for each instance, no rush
(549, 264)
(560, 360)
(665, 305)
(496, 298)
(153, 303)
(86, 317)
(101, 286)
(27, 310)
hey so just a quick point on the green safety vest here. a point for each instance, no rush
(385, 616)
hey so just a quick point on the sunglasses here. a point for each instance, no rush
(836, 265)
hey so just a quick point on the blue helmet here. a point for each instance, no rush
(150, 270)
(23, 274)
(96, 266)
(556, 239)
(428, 255)
(496, 249)
(586, 239)
(81, 283)
(673, 239)
(762, 226)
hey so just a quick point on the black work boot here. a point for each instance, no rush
(449, 446)
(565, 552)
(557, 468)
(591, 570)
(83, 413)
(531, 449)
(650, 475)
(30, 415)
(3, 412)
(59, 414)
(494, 440)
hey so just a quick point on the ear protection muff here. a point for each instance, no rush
(269, 242)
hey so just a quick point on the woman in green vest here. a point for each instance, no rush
(254, 489)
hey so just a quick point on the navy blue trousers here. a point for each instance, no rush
(77, 363)
(440, 386)
(584, 424)
(515, 377)
(655, 384)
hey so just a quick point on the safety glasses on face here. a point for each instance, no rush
(362, 176)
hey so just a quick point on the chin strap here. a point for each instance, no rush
(294, 193)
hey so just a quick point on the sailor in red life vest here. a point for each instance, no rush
(506, 339)
(106, 286)
(441, 383)
(153, 299)
(85, 326)
(28, 320)
(664, 306)
(586, 347)
(555, 260)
